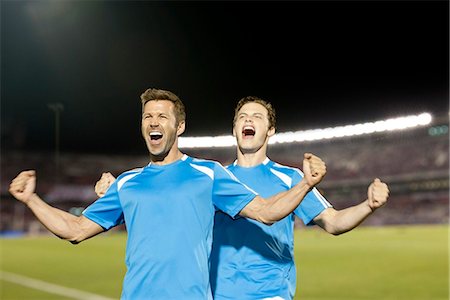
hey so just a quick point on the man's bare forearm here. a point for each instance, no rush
(277, 207)
(62, 224)
(351, 217)
(340, 221)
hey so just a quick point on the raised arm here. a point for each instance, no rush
(275, 208)
(340, 221)
(62, 224)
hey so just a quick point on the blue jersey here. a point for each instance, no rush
(251, 260)
(168, 211)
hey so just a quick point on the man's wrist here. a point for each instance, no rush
(372, 209)
(30, 199)
(307, 185)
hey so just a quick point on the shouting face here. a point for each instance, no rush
(160, 129)
(251, 127)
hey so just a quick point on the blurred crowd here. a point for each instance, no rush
(413, 162)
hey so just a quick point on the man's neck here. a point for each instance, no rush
(248, 160)
(173, 155)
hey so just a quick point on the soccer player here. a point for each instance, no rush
(251, 260)
(168, 208)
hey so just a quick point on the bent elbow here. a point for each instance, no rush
(333, 230)
(266, 220)
(72, 240)
(336, 233)
(81, 236)
(76, 240)
(268, 223)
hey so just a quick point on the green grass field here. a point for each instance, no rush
(401, 262)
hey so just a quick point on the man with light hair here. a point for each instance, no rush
(255, 261)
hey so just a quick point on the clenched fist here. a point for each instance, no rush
(314, 169)
(377, 194)
(23, 186)
(103, 184)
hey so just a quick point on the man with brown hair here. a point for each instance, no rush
(251, 260)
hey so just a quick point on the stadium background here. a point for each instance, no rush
(72, 73)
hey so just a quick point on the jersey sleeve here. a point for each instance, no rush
(107, 210)
(313, 203)
(229, 194)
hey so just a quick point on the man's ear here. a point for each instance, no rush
(271, 132)
(181, 128)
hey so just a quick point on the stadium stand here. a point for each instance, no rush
(414, 162)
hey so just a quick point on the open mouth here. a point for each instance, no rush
(155, 135)
(248, 131)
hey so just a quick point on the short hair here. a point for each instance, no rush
(152, 94)
(248, 99)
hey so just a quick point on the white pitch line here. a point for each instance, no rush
(50, 287)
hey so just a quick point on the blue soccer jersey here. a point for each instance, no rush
(251, 260)
(169, 212)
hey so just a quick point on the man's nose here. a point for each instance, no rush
(154, 123)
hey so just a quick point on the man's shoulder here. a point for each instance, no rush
(127, 175)
(231, 166)
(289, 170)
(206, 166)
(205, 162)
(130, 173)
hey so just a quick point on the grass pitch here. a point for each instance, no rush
(401, 262)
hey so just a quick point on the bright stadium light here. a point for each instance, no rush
(207, 141)
(393, 124)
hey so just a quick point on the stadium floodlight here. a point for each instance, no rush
(207, 141)
(392, 124)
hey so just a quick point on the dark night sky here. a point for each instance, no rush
(320, 64)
